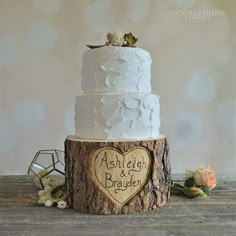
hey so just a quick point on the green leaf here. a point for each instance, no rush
(177, 185)
(204, 195)
(189, 182)
(205, 190)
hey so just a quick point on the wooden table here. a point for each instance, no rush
(21, 215)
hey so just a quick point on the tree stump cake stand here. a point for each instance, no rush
(117, 177)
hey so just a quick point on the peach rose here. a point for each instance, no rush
(205, 176)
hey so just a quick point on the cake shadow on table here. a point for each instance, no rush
(117, 162)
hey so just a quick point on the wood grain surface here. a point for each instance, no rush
(21, 215)
(89, 194)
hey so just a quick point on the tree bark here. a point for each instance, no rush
(88, 196)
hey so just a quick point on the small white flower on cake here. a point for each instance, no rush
(115, 39)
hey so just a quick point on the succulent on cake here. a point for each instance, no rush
(118, 39)
(129, 40)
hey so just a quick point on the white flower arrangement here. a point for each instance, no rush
(118, 39)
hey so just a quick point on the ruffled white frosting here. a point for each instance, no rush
(117, 116)
(116, 70)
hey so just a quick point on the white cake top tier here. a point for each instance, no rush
(116, 69)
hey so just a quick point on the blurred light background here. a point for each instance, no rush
(192, 43)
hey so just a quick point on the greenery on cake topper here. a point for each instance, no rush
(118, 39)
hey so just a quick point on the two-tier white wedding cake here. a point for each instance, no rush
(117, 157)
(117, 103)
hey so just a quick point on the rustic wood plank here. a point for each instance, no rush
(14, 179)
(18, 193)
(217, 198)
(187, 220)
(106, 230)
(171, 212)
(21, 215)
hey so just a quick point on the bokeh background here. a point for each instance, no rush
(193, 71)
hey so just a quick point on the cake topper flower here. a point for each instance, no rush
(115, 39)
(118, 39)
(129, 40)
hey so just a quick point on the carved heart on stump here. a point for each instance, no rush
(120, 176)
(92, 167)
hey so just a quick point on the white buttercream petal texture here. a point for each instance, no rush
(118, 104)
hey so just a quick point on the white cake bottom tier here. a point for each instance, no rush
(117, 116)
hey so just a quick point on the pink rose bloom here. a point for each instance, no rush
(205, 176)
